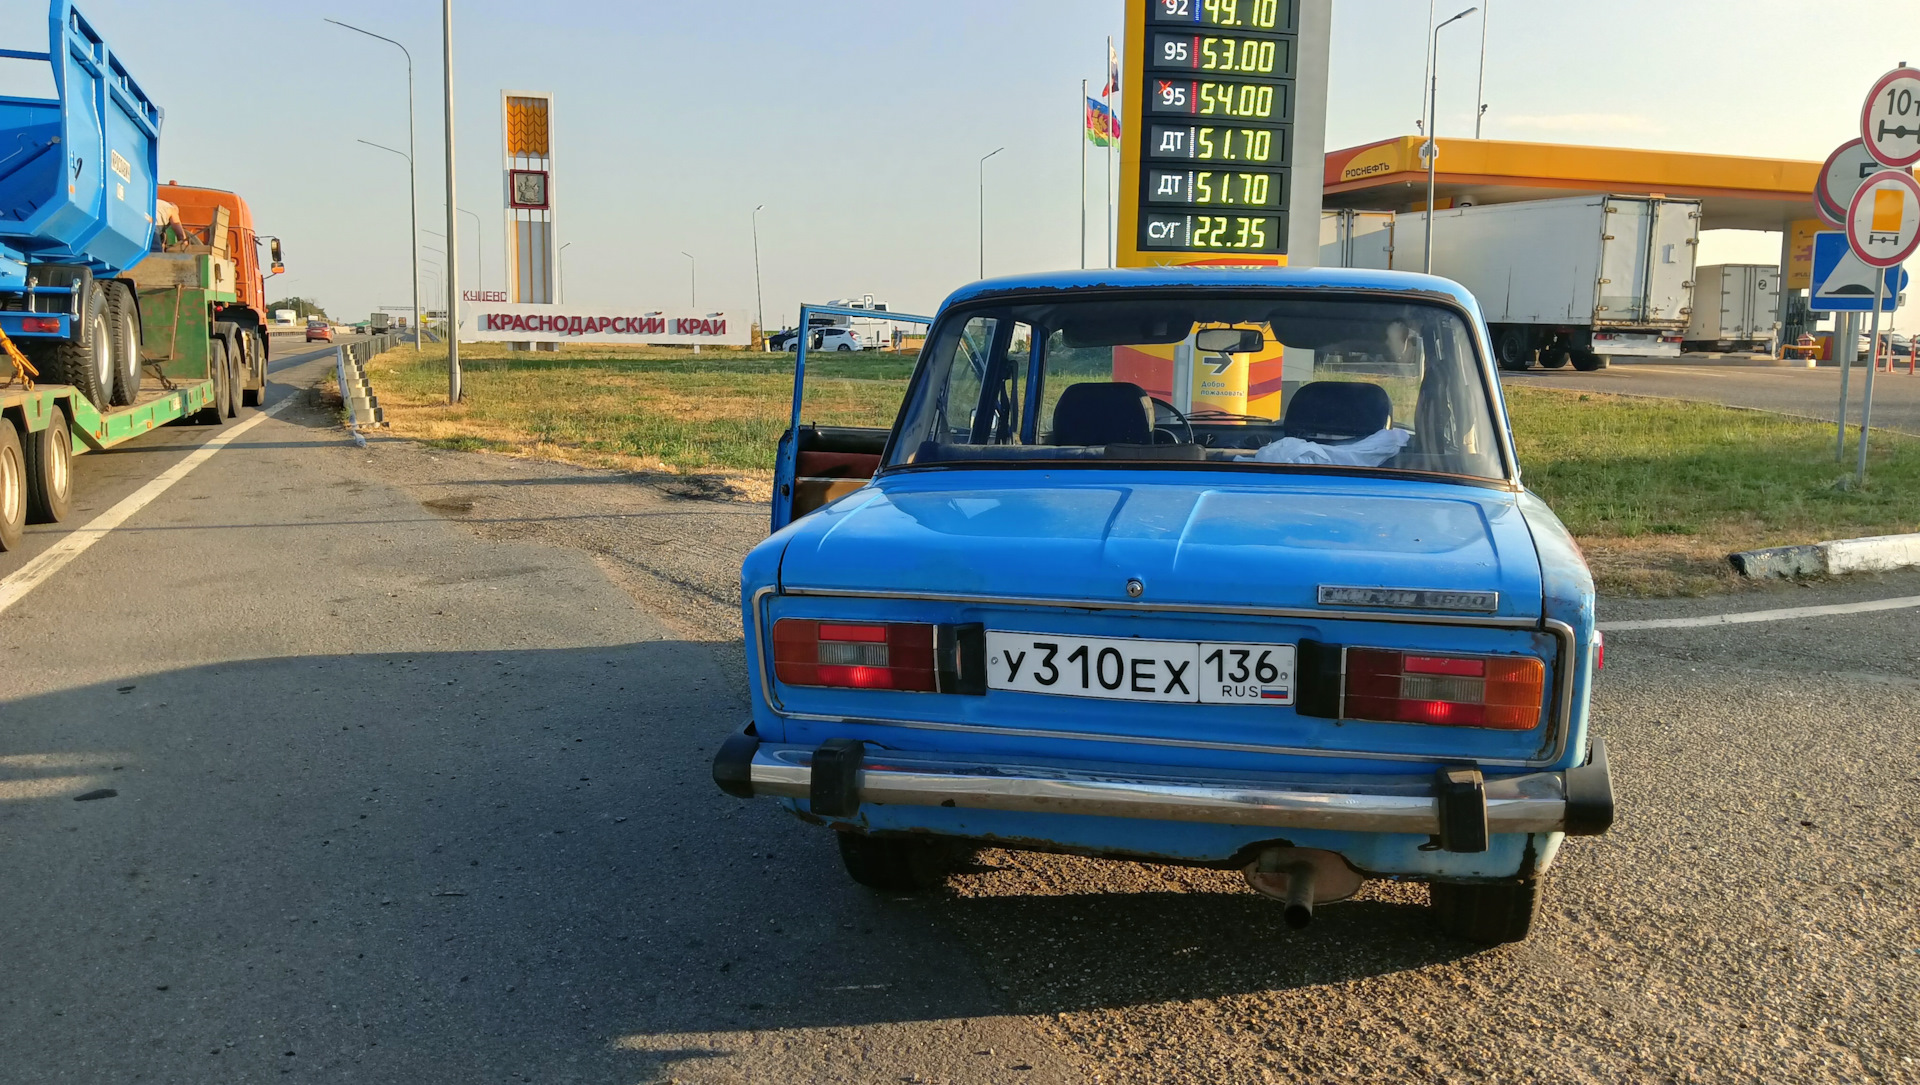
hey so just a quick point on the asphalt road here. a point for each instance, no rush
(1810, 393)
(409, 760)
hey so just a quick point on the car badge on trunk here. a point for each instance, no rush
(1409, 598)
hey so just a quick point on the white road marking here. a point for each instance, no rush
(1752, 616)
(76, 542)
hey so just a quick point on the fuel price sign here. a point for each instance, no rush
(1216, 97)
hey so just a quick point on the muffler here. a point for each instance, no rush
(1301, 878)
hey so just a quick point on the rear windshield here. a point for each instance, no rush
(1208, 380)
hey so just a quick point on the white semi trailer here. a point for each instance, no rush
(1735, 307)
(1581, 280)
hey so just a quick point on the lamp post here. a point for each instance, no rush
(453, 204)
(759, 298)
(563, 271)
(1480, 99)
(413, 233)
(693, 285)
(479, 249)
(983, 208)
(1433, 146)
(413, 184)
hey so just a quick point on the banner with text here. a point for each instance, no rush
(498, 322)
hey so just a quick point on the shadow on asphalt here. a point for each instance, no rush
(454, 867)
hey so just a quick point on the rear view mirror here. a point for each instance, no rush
(1230, 341)
(273, 256)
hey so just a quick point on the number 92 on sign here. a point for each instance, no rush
(1191, 672)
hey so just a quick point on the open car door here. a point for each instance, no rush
(818, 465)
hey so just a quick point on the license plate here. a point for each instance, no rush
(1194, 672)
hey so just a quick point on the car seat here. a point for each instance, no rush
(1332, 412)
(1103, 413)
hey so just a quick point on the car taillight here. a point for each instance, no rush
(890, 655)
(40, 324)
(1500, 692)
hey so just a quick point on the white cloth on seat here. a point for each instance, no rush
(1371, 451)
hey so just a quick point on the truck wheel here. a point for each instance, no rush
(236, 376)
(49, 464)
(892, 864)
(86, 360)
(1488, 914)
(123, 322)
(1514, 350)
(1555, 358)
(1587, 361)
(13, 486)
(215, 412)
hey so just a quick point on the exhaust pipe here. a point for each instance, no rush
(1299, 911)
(1300, 878)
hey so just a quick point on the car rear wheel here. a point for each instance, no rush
(894, 864)
(1487, 914)
(843, 346)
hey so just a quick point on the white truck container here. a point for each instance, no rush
(1735, 307)
(1357, 239)
(1580, 280)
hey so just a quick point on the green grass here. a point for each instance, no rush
(1658, 491)
(1620, 467)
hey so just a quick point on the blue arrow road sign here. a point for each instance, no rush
(1843, 283)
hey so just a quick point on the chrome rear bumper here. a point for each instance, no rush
(1579, 801)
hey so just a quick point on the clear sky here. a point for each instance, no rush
(859, 123)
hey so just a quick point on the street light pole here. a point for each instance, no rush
(759, 298)
(479, 247)
(983, 208)
(563, 271)
(1433, 146)
(413, 181)
(1480, 99)
(453, 221)
(693, 285)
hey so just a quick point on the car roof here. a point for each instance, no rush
(1343, 279)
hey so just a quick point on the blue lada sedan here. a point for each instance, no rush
(1222, 567)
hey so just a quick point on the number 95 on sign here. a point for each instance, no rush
(1141, 670)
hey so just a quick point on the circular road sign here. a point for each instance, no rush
(1846, 169)
(1890, 121)
(1883, 225)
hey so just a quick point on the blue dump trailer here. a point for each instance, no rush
(108, 322)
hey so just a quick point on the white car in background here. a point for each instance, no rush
(831, 339)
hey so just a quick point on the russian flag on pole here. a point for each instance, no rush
(1102, 125)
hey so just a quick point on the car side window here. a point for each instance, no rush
(982, 395)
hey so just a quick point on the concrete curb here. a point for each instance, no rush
(1877, 554)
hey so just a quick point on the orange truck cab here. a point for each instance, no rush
(202, 212)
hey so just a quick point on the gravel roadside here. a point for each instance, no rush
(1752, 917)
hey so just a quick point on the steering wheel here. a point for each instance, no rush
(1178, 416)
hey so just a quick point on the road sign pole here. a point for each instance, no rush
(1873, 366)
(1844, 340)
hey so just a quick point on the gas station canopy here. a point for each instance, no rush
(1736, 193)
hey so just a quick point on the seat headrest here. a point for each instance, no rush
(1330, 411)
(1103, 413)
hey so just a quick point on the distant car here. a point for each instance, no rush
(319, 331)
(837, 339)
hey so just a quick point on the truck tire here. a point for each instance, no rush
(49, 463)
(215, 412)
(1555, 357)
(236, 375)
(1488, 914)
(1587, 361)
(893, 864)
(1514, 350)
(123, 323)
(13, 486)
(86, 360)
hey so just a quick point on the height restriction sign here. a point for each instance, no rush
(1226, 100)
(1890, 121)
